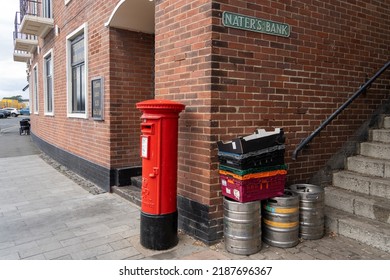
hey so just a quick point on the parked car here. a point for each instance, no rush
(2, 115)
(5, 113)
(25, 111)
(13, 111)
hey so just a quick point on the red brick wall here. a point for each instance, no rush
(235, 81)
(83, 137)
(124, 59)
(131, 81)
(183, 72)
(297, 82)
(232, 81)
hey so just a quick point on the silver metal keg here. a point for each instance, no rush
(311, 210)
(281, 220)
(242, 226)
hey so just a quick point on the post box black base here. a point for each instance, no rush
(159, 232)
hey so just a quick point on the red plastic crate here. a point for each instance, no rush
(253, 189)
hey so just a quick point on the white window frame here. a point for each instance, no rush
(45, 89)
(67, 2)
(35, 82)
(82, 29)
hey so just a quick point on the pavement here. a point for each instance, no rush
(46, 213)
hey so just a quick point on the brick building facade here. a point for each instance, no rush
(231, 80)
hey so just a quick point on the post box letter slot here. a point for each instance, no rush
(147, 128)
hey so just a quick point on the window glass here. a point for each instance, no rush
(35, 92)
(49, 83)
(78, 76)
(47, 9)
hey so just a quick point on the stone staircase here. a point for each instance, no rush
(358, 203)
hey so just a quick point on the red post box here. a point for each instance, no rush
(159, 138)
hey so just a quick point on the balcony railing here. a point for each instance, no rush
(23, 42)
(29, 7)
(36, 17)
(21, 56)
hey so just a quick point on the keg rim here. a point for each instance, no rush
(305, 188)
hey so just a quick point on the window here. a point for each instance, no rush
(47, 9)
(77, 73)
(48, 82)
(32, 8)
(35, 89)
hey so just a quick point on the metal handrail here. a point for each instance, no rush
(361, 90)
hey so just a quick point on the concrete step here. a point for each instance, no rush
(386, 122)
(367, 231)
(136, 181)
(130, 193)
(363, 205)
(375, 150)
(369, 166)
(380, 135)
(362, 184)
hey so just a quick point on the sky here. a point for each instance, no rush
(13, 76)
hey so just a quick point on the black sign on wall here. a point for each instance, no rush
(97, 87)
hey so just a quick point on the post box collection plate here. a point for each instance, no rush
(145, 146)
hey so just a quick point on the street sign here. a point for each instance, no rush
(255, 24)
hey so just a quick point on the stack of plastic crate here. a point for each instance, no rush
(252, 167)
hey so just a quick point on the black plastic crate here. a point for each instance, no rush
(261, 139)
(269, 158)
